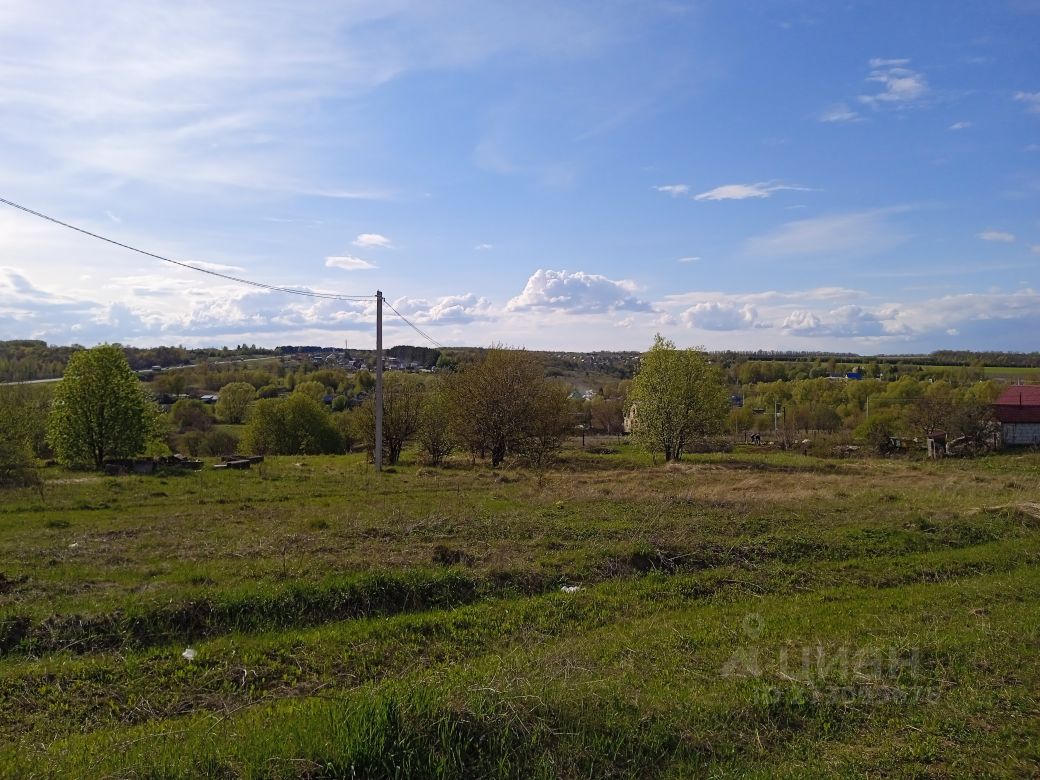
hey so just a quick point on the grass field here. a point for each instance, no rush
(741, 615)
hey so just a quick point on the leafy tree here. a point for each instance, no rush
(17, 432)
(234, 401)
(931, 411)
(677, 397)
(295, 425)
(608, 415)
(550, 419)
(190, 414)
(171, 382)
(314, 390)
(878, 432)
(497, 406)
(740, 418)
(435, 435)
(339, 403)
(346, 426)
(447, 362)
(364, 381)
(402, 412)
(100, 410)
(23, 416)
(973, 419)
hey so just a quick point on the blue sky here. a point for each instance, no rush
(862, 176)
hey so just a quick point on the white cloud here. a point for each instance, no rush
(690, 259)
(771, 297)
(856, 233)
(838, 316)
(1030, 99)
(762, 189)
(151, 309)
(369, 240)
(961, 125)
(997, 235)
(348, 263)
(802, 322)
(484, 247)
(451, 309)
(675, 190)
(577, 293)
(1035, 249)
(839, 112)
(223, 267)
(845, 321)
(715, 315)
(878, 62)
(900, 86)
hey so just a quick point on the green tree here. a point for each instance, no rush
(402, 413)
(190, 414)
(295, 425)
(100, 409)
(607, 415)
(677, 397)
(17, 433)
(234, 401)
(435, 435)
(549, 421)
(504, 404)
(346, 426)
(314, 390)
(364, 382)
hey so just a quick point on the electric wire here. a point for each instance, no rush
(417, 329)
(238, 279)
(229, 277)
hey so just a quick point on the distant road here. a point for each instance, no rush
(31, 382)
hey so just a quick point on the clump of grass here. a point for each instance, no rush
(264, 609)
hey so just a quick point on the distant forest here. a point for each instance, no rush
(26, 360)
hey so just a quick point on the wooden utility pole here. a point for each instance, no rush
(379, 381)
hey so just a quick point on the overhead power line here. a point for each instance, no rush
(240, 280)
(210, 272)
(417, 329)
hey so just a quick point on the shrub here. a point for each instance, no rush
(296, 425)
(218, 442)
(190, 443)
(190, 414)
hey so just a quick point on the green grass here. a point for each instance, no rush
(740, 615)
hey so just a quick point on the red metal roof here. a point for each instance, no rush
(1018, 404)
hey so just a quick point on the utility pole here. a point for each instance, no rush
(379, 381)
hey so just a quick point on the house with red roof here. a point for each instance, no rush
(1018, 412)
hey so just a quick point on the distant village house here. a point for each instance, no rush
(1018, 412)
